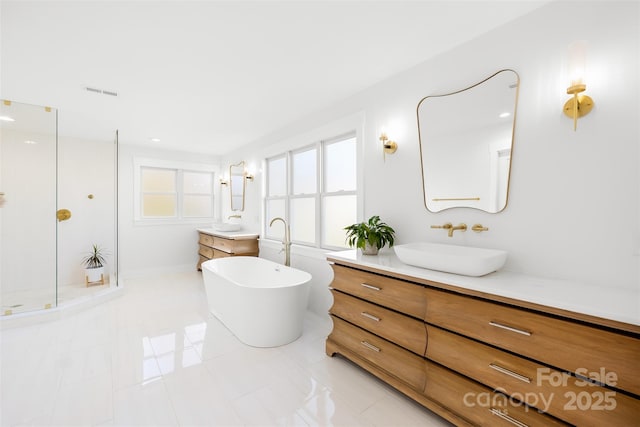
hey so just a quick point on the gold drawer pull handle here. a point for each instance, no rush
(506, 417)
(370, 346)
(509, 328)
(375, 288)
(510, 373)
(370, 316)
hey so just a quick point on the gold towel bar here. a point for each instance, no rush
(456, 198)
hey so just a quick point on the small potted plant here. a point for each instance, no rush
(94, 265)
(370, 236)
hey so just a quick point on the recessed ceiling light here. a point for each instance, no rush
(6, 119)
(29, 141)
(154, 139)
(503, 115)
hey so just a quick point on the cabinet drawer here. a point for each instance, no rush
(206, 251)
(479, 404)
(405, 331)
(240, 247)
(221, 244)
(220, 254)
(564, 396)
(395, 294)
(205, 239)
(567, 345)
(402, 364)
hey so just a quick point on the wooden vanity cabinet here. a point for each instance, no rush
(217, 246)
(568, 345)
(476, 361)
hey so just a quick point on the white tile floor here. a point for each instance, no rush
(156, 356)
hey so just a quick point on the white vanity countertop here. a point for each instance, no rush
(234, 235)
(613, 303)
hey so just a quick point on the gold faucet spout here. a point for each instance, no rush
(446, 226)
(286, 242)
(451, 228)
(461, 227)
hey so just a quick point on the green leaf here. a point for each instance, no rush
(374, 231)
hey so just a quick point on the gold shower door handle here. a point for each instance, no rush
(63, 214)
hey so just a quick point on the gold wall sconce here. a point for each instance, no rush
(578, 105)
(224, 178)
(249, 172)
(388, 146)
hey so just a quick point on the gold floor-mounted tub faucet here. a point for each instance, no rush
(286, 242)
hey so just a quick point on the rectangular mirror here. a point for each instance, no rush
(466, 139)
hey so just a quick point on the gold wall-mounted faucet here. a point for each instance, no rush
(445, 226)
(451, 228)
(461, 227)
(479, 228)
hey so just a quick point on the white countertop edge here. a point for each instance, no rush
(234, 235)
(613, 303)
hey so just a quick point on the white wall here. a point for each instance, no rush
(573, 210)
(84, 168)
(153, 249)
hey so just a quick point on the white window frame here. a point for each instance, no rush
(179, 167)
(320, 193)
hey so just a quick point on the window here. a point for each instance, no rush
(171, 191)
(339, 196)
(197, 192)
(315, 190)
(159, 193)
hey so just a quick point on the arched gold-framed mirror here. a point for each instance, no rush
(237, 184)
(466, 141)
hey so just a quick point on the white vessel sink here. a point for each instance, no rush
(465, 260)
(226, 226)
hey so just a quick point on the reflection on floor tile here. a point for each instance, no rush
(156, 356)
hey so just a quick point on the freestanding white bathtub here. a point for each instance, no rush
(261, 302)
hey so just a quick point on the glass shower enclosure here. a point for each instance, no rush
(55, 203)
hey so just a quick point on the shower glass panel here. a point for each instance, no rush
(28, 223)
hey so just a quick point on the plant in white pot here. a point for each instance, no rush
(370, 236)
(94, 265)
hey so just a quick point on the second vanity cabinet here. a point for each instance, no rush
(213, 244)
(480, 361)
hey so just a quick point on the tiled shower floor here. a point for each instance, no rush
(40, 299)
(156, 356)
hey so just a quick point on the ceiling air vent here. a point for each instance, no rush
(102, 91)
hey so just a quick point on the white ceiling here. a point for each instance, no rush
(210, 76)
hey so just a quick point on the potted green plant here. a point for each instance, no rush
(94, 265)
(370, 236)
